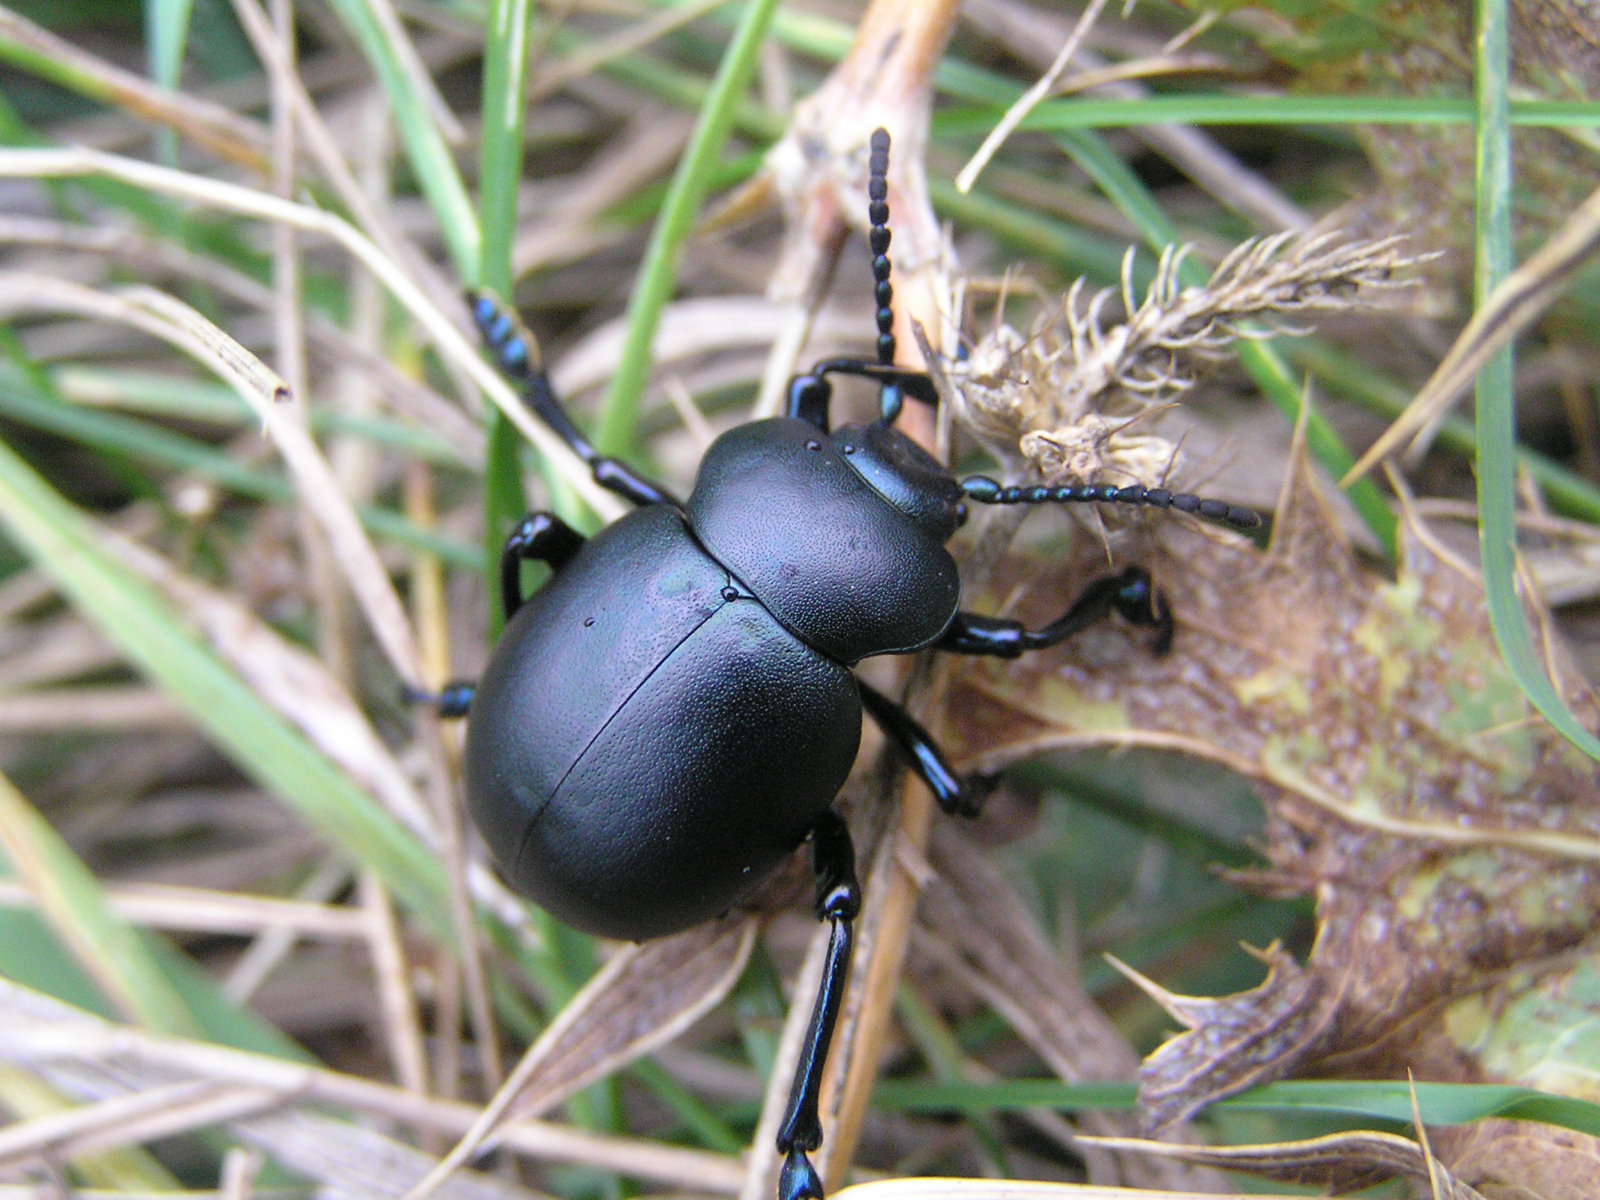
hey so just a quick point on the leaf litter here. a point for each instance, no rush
(1450, 839)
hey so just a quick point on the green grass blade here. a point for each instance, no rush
(1496, 398)
(152, 634)
(74, 904)
(23, 48)
(505, 86)
(1195, 108)
(166, 34)
(166, 24)
(432, 163)
(660, 270)
(1440, 1103)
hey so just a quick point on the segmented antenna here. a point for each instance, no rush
(878, 238)
(891, 396)
(986, 491)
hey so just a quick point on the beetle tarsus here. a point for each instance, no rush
(799, 1179)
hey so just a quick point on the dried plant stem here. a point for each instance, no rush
(1029, 99)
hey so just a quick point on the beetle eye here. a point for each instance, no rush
(904, 474)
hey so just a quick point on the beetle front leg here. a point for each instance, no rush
(833, 859)
(1129, 593)
(811, 394)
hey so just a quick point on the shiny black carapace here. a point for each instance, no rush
(674, 711)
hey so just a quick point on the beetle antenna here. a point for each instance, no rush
(986, 491)
(890, 397)
(878, 238)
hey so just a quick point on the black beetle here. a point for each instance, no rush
(674, 712)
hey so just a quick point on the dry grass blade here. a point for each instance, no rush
(220, 130)
(1199, 153)
(1029, 100)
(1359, 1159)
(356, 1163)
(330, 344)
(165, 906)
(115, 707)
(129, 1120)
(87, 1056)
(1518, 300)
(1003, 1189)
(450, 339)
(645, 996)
(316, 484)
(166, 318)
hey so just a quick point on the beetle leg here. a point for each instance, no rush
(452, 700)
(1130, 593)
(833, 859)
(955, 795)
(513, 351)
(540, 537)
(809, 394)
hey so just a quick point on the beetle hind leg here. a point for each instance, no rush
(838, 899)
(540, 537)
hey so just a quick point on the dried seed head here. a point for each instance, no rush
(1061, 397)
(1098, 447)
